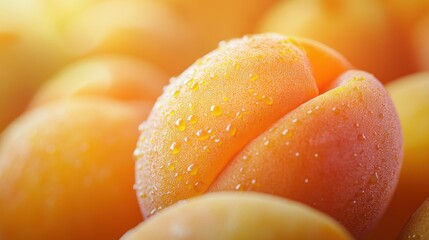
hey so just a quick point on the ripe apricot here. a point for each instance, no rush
(410, 97)
(264, 114)
(361, 30)
(66, 165)
(418, 226)
(420, 42)
(148, 30)
(110, 76)
(65, 171)
(216, 20)
(238, 216)
(30, 51)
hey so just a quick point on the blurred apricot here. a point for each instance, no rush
(421, 42)
(238, 216)
(148, 30)
(418, 226)
(31, 50)
(361, 30)
(217, 20)
(112, 76)
(264, 113)
(410, 97)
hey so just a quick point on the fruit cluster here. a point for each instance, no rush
(187, 119)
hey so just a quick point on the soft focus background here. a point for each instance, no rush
(105, 62)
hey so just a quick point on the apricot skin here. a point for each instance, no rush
(410, 97)
(238, 216)
(418, 226)
(65, 171)
(248, 116)
(109, 76)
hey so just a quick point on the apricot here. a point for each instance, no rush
(264, 113)
(30, 51)
(420, 42)
(213, 21)
(238, 216)
(410, 97)
(65, 172)
(110, 76)
(361, 30)
(417, 227)
(148, 30)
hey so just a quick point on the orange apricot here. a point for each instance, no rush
(111, 76)
(213, 21)
(409, 95)
(418, 225)
(30, 51)
(145, 29)
(420, 42)
(238, 216)
(263, 114)
(361, 30)
(65, 171)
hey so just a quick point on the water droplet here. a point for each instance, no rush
(238, 187)
(216, 110)
(297, 154)
(266, 143)
(285, 132)
(295, 120)
(171, 166)
(138, 152)
(175, 148)
(231, 130)
(176, 93)
(192, 169)
(253, 182)
(268, 100)
(180, 124)
(245, 157)
(194, 86)
(253, 77)
(374, 178)
(192, 119)
(317, 107)
(316, 155)
(199, 186)
(306, 180)
(357, 125)
(206, 149)
(334, 109)
(361, 137)
(309, 111)
(202, 135)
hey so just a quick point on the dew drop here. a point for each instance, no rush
(309, 111)
(253, 77)
(176, 93)
(192, 169)
(175, 148)
(253, 182)
(194, 86)
(361, 137)
(206, 149)
(171, 166)
(285, 132)
(374, 178)
(180, 124)
(202, 135)
(231, 130)
(192, 119)
(216, 110)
